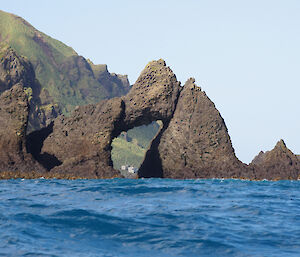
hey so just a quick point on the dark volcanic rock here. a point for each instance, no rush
(153, 96)
(13, 124)
(17, 69)
(195, 144)
(82, 142)
(14, 69)
(192, 143)
(279, 163)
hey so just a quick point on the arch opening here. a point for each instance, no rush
(130, 147)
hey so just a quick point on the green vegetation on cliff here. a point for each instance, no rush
(126, 153)
(69, 78)
(130, 148)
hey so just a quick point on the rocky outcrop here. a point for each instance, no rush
(81, 143)
(13, 124)
(15, 69)
(152, 97)
(115, 84)
(277, 164)
(195, 143)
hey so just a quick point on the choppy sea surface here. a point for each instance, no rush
(149, 217)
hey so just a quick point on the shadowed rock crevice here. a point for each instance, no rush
(151, 166)
(34, 144)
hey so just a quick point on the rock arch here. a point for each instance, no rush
(193, 142)
(82, 142)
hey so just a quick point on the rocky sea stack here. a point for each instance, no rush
(278, 164)
(192, 143)
(195, 144)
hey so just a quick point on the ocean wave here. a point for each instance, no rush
(156, 217)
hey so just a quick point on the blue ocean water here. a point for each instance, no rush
(149, 217)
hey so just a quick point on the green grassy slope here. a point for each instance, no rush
(133, 150)
(124, 152)
(144, 134)
(69, 78)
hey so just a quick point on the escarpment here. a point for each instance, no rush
(192, 143)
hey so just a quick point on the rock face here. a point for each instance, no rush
(16, 69)
(279, 163)
(13, 123)
(195, 143)
(152, 97)
(81, 143)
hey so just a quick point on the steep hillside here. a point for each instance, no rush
(67, 77)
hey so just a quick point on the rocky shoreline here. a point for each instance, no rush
(192, 143)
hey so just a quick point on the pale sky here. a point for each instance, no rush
(244, 53)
